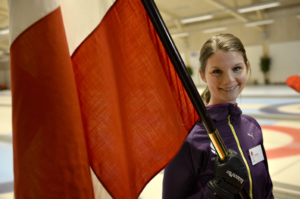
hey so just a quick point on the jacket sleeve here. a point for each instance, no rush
(268, 189)
(180, 179)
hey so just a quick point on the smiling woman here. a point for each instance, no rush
(196, 171)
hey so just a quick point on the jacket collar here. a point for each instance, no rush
(220, 112)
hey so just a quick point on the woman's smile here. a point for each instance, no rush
(229, 89)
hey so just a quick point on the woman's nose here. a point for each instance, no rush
(228, 78)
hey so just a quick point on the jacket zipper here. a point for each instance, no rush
(242, 154)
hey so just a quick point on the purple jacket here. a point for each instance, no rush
(188, 173)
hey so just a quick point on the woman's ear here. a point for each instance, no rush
(248, 66)
(202, 75)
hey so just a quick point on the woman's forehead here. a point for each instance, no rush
(222, 58)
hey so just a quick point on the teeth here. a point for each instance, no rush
(228, 89)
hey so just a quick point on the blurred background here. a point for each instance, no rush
(270, 31)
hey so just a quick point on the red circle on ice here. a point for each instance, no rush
(290, 149)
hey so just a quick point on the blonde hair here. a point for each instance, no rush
(224, 42)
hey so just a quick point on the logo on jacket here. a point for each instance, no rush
(251, 135)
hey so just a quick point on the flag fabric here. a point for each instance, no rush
(294, 82)
(49, 148)
(92, 87)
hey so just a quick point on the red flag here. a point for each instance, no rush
(50, 156)
(133, 113)
(294, 82)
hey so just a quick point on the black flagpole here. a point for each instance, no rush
(187, 82)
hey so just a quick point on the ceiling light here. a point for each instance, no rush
(258, 7)
(185, 34)
(194, 19)
(215, 30)
(257, 23)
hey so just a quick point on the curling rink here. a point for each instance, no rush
(276, 108)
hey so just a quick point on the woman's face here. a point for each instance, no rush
(225, 74)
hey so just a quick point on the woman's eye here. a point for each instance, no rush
(216, 71)
(237, 68)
